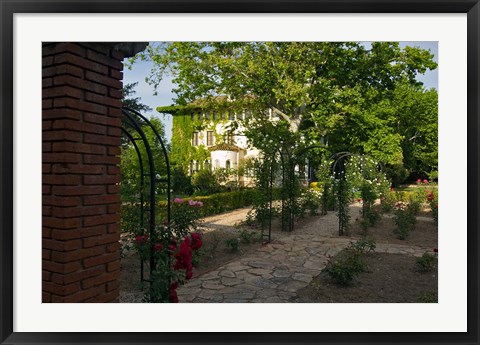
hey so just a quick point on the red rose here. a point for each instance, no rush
(172, 293)
(196, 241)
(158, 247)
(419, 181)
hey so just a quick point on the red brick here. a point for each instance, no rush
(79, 147)
(46, 254)
(46, 125)
(61, 135)
(113, 228)
(47, 103)
(47, 82)
(99, 220)
(46, 297)
(61, 201)
(102, 279)
(46, 232)
(117, 94)
(64, 69)
(102, 139)
(105, 60)
(47, 61)
(62, 91)
(114, 112)
(61, 245)
(113, 266)
(69, 212)
(46, 168)
(46, 189)
(69, 47)
(80, 84)
(101, 199)
(61, 157)
(81, 296)
(105, 100)
(114, 132)
(46, 211)
(100, 240)
(101, 260)
(79, 126)
(102, 120)
(78, 190)
(57, 223)
(46, 276)
(63, 268)
(114, 208)
(64, 180)
(113, 170)
(113, 247)
(101, 179)
(77, 276)
(63, 113)
(105, 297)
(78, 233)
(117, 55)
(113, 285)
(80, 105)
(113, 189)
(48, 49)
(67, 58)
(104, 80)
(93, 159)
(61, 290)
(75, 255)
(116, 74)
(78, 169)
(114, 151)
(46, 147)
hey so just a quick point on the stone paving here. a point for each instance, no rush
(276, 271)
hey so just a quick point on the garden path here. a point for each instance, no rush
(276, 271)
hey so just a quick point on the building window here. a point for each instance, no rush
(229, 139)
(195, 139)
(209, 138)
(227, 165)
(231, 116)
(206, 165)
(192, 116)
(217, 164)
(191, 167)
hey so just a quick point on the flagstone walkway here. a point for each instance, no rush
(276, 271)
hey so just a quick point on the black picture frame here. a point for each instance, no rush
(10, 7)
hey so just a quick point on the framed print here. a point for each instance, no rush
(346, 125)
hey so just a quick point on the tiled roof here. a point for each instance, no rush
(224, 147)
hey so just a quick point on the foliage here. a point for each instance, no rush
(205, 182)
(131, 102)
(247, 237)
(232, 244)
(405, 219)
(427, 262)
(428, 297)
(346, 267)
(311, 201)
(181, 182)
(364, 99)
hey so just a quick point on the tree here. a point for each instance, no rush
(131, 102)
(338, 93)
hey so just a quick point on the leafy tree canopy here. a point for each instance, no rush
(352, 97)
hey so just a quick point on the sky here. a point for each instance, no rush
(165, 96)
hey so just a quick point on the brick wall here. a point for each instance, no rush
(80, 175)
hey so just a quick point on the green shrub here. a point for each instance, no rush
(204, 182)
(247, 237)
(427, 262)
(181, 182)
(405, 219)
(348, 265)
(232, 244)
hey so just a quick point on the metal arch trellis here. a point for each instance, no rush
(338, 169)
(136, 121)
